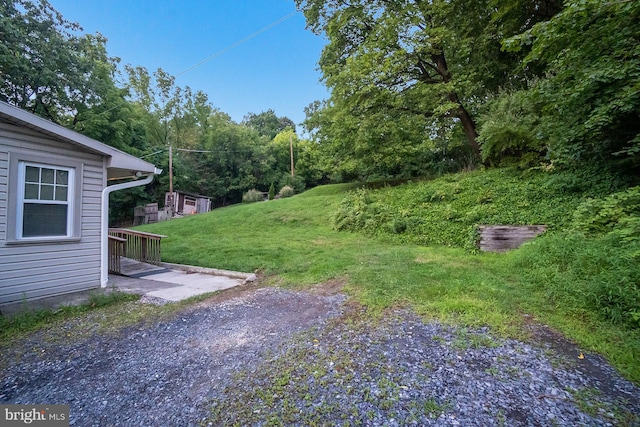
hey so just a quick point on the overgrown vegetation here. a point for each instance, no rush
(286, 191)
(524, 82)
(447, 211)
(252, 196)
(592, 267)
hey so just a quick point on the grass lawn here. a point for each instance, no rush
(294, 244)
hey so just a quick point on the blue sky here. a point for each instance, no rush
(277, 69)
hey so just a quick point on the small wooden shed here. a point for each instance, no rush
(188, 203)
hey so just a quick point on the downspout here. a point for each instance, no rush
(104, 221)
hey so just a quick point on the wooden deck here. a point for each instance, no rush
(137, 245)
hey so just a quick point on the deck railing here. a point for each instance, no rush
(143, 247)
(116, 250)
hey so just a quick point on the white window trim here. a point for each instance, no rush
(14, 192)
(22, 167)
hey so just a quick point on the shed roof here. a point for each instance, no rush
(199, 196)
(119, 163)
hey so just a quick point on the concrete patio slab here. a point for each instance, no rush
(173, 282)
(190, 284)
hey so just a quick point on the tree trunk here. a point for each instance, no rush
(468, 124)
(461, 113)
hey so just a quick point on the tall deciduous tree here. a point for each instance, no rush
(235, 161)
(390, 56)
(403, 71)
(267, 123)
(46, 67)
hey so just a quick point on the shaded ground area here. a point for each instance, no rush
(275, 356)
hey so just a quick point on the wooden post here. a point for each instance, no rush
(171, 202)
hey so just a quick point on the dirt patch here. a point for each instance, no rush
(331, 287)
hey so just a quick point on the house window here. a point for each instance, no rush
(45, 201)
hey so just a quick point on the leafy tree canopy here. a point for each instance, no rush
(402, 73)
(268, 123)
(589, 98)
(46, 67)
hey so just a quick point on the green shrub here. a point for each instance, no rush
(286, 191)
(352, 212)
(606, 214)
(252, 196)
(296, 182)
(272, 192)
(507, 132)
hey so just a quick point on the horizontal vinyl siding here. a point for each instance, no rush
(43, 275)
(4, 171)
(51, 288)
(31, 141)
(41, 270)
(26, 254)
(94, 174)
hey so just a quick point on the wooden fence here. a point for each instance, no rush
(500, 238)
(143, 247)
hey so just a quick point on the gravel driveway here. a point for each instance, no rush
(270, 356)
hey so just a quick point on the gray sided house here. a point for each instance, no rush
(54, 206)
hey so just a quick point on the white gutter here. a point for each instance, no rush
(104, 221)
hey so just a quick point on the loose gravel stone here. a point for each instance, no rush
(300, 358)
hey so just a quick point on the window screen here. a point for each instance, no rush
(45, 209)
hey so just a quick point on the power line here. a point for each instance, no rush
(223, 51)
(238, 43)
(219, 151)
(157, 152)
(195, 151)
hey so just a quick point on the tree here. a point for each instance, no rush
(162, 100)
(280, 149)
(389, 58)
(268, 124)
(589, 98)
(272, 191)
(378, 145)
(426, 65)
(46, 67)
(235, 160)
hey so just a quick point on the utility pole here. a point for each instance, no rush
(291, 152)
(171, 179)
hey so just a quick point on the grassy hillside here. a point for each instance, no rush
(297, 241)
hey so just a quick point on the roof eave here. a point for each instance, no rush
(116, 159)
